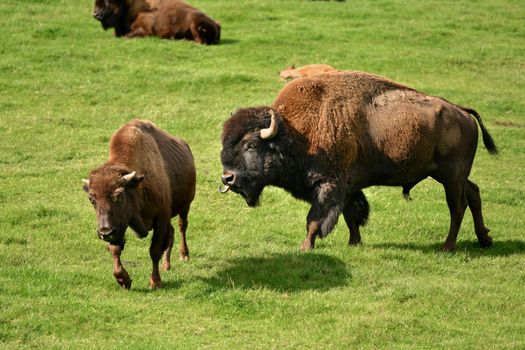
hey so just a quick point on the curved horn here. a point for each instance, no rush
(128, 177)
(270, 132)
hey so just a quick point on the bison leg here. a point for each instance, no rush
(323, 215)
(356, 214)
(159, 243)
(167, 252)
(118, 270)
(474, 203)
(457, 203)
(183, 225)
(195, 33)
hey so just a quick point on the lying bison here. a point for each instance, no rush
(329, 136)
(168, 19)
(305, 71)
(148, 179)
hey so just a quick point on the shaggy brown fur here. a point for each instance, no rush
(162, 187)
(328, 110)
(168, 19)
(305, 71)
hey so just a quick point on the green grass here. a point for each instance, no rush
(66, 86)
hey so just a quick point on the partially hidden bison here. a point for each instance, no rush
(327, 137)
(148, 178)
(167, 19)
(305, 71)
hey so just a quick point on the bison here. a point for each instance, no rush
(148, 179)
(168, 19)
(305, 71)
(327, 137)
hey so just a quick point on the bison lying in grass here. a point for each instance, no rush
(168, 19)
(148, 179)
(327, 137)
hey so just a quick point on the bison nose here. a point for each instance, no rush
(105, 233)
(97, 15)
(228, 179)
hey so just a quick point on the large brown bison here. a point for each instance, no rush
(168, 19)
(148, 179)
(329, 136)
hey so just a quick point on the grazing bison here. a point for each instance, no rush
(329, 136)
(305, 71)
(168, 19)
(148, 179)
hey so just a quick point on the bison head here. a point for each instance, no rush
(112, 191)
(254, 152)
(108, 12)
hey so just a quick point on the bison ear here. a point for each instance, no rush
(131, 180)
(85, 185)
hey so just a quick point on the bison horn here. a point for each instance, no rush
(128, 177)
(270, 132)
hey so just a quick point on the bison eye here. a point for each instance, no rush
(249, 147)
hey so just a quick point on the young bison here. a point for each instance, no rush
(168, 19)
(305, 71)
(148, 179)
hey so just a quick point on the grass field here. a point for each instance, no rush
(66, 86)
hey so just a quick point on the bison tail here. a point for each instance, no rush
(488, 141)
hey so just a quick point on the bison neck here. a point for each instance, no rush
(296, 176)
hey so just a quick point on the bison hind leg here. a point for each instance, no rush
(184, 251)
(409, 186)
(356, 214)
(474, 203)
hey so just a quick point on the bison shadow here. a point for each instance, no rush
(228, 42)
(292, 272)
(472, 248)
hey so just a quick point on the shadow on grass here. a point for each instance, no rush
(228, 41)
(499, 248)
(282, 272)
(167, 284)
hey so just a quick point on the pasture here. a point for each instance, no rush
(66, 86)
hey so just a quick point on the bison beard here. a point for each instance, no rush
(329, 136)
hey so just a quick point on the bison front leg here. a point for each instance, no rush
(159, 243)
(323, 215)
(118, 270)
(356, 214)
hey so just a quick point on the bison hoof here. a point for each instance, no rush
(123, 279)
(184, 258)
(124, 283)
(449, 248)
(307, 245)
(354, 242)
(485, 242)
(155, 284)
